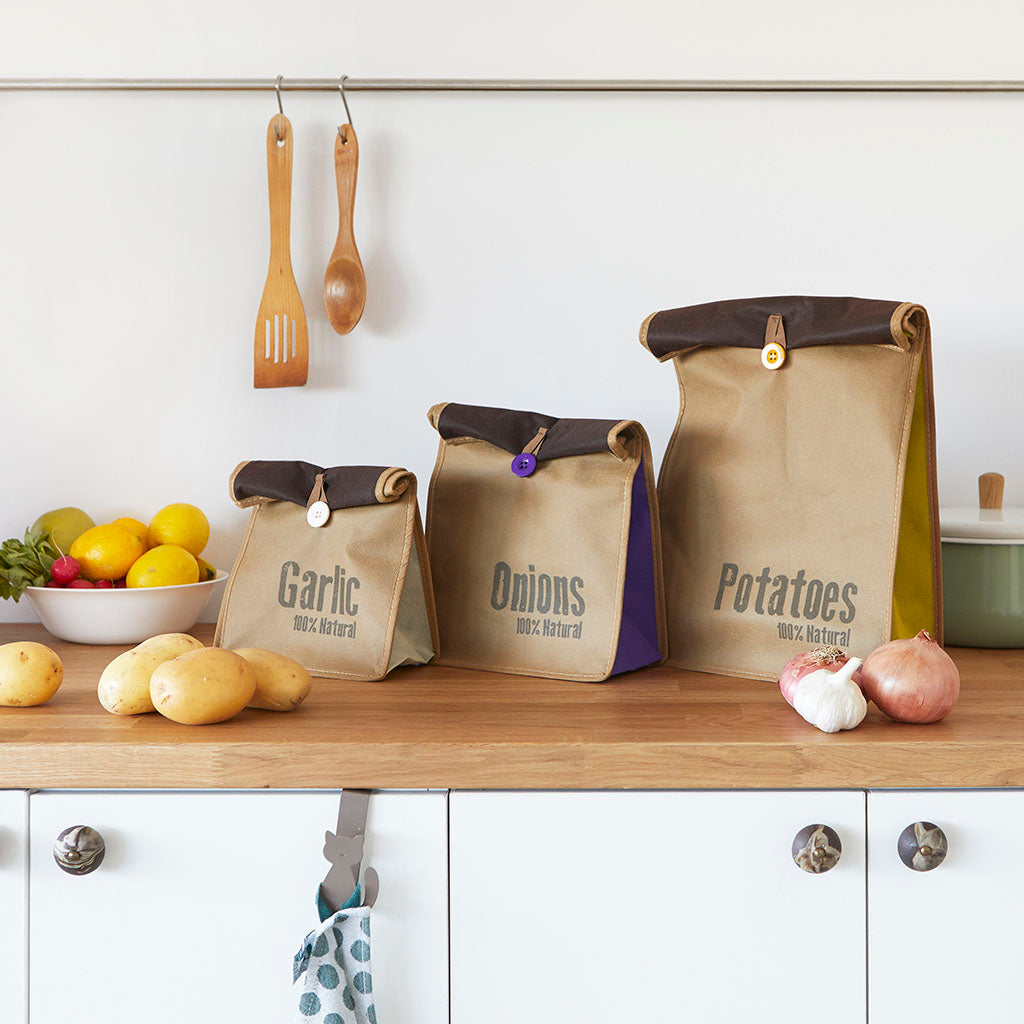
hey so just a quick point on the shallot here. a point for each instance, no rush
(912, 680)
(831, 659)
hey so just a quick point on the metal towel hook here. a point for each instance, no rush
(343, 849)
(280, 108)
(348, 116)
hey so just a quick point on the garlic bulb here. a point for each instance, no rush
(831, 700)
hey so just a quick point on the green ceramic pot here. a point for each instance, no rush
(983, 572)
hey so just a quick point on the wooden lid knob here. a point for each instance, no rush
(990, 490)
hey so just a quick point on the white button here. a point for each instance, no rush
(318, 513)
(773, 355)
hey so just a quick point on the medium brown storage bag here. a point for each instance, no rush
(798, 494)
(544, 538)
(333, 569)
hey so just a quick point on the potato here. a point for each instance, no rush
(124, 686)
(30, 674)
(201, 687)
(281, 684)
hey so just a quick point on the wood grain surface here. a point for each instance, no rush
(281, 320)
(344, 279)
(449, 728)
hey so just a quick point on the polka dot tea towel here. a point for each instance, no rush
(333, 983)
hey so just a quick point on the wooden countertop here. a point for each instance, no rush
(446, 728)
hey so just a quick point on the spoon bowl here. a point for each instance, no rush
(344, 293)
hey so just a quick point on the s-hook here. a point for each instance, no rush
(280, 107)
(348, 116)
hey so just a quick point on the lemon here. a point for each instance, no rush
(182, 525)
(166, 565)
(138, 528)
(106, 552)
(206, 571)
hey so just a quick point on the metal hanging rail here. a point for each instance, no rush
(506, 85)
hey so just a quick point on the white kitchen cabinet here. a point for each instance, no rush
(653, 906)
(203, 899)
(13, 892)
(944, 944)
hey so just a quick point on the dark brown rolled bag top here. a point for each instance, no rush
(798, 491)
(544, 538)
(333, 570)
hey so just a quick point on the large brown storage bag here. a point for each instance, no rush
(551, 568)
(349, 598)
(798, 493)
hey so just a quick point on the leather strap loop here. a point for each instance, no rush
(318, 493)
(775, 331)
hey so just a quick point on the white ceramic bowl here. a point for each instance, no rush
(125, 616)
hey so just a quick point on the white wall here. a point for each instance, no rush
(512, 244)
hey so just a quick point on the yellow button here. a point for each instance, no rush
(773, 355)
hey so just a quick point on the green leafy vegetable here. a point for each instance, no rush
(26, 563)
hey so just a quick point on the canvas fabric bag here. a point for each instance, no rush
(556, 573)
(798, 503)
(350, 599)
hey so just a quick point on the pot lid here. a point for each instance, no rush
(989, 522)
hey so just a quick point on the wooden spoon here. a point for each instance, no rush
(344, 280)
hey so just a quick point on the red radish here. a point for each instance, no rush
(65, 569)
(912, 680)
(54, 583)
(104, 584)
(80, 585)
(120, 585)
(832, 659)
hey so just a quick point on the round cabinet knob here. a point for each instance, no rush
(817, 848)
(79, 850)
(922, 846)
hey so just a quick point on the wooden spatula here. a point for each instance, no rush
(344, 280)
(281, 349)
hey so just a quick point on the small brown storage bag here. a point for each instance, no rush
(550, 568)
(350, 598)
(798, 493)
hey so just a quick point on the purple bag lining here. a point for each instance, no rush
(638, 630)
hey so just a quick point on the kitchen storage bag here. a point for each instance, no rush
(333, 569)
(798, 493)
(545, 542)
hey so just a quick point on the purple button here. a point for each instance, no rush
(524, 464)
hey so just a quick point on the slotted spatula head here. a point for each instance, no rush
(281, 344)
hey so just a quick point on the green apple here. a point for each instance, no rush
(64, 525)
